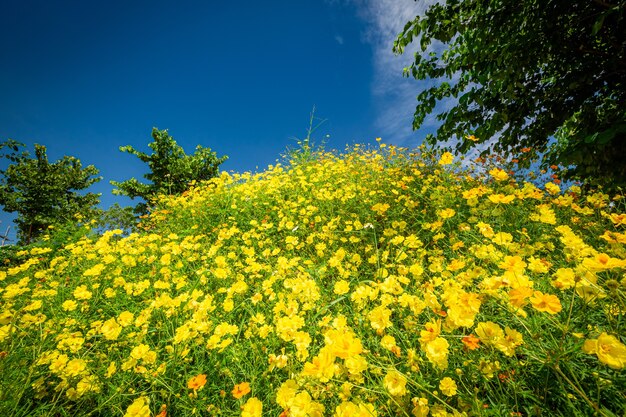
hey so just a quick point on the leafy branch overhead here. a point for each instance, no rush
(525, 72)
(171, 170)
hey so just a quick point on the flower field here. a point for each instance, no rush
(372, 283)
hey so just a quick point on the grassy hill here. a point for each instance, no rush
(372, 283)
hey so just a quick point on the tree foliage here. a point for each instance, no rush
(549, 75)
(45, 194)
(171, 170)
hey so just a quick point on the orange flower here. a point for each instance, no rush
(197, 382)
(471, 342)
(163, 411)
(241, 389)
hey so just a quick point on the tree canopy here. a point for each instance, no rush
(45, 194)
(171, 170)
(538, 77)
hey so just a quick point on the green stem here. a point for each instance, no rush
(580, 392)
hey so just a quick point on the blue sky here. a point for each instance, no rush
(84, 78)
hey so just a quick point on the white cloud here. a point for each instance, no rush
(394, 95)
(339, 39)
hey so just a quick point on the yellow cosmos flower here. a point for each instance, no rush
(321, 366)
(395, 383)
(565, 278)
(139, 408)
(342, 344)
(380, 208)
(618, 219)
(420, 407)
(448, 386)
(609, 350)
(380, 318)
(499, 174)
(489, 332)
(125, 318)
(437, 352)
(602, 261)
(350, 409)
(252, 408)
(110, 329)
(546, 302)
(446, 213)
(286, 393)
(75, 367)
(341, 287)
(82, 293)
(431, 331)
(446, 158)
(552, 188)
(501, 198)
(69, 305)
(142, 351)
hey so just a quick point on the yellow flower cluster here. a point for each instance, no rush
(371, 283)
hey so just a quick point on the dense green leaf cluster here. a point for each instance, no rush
(526, 72)
(49, 195)
(45, 194)
(171, 170)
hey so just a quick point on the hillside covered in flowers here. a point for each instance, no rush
(371, 283)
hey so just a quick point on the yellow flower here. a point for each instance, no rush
(110, 329)
(499, 174)
(341, 287)
(380, 318)
(395, 383)
(552, 188)
(501, 198)
(139, 408)
(546, 302)
(286, 393)
(321, 366)
(125, 318)
(142, 351)
(380, 208)
(82, 293)
(489, 333)
(69, 305)
(512, 340)
(448, 386)
(111, 370)
(58, 363)
(437, 352)
(609, 350)
(343, 344)
(74, 367)
(252, 408)
(350, 409)
(420, 407)
(431, 331)
(445, 213)
(565, 278)
(446, 158)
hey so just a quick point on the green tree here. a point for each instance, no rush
(549, 75)
(171, 170)
(45, 194)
